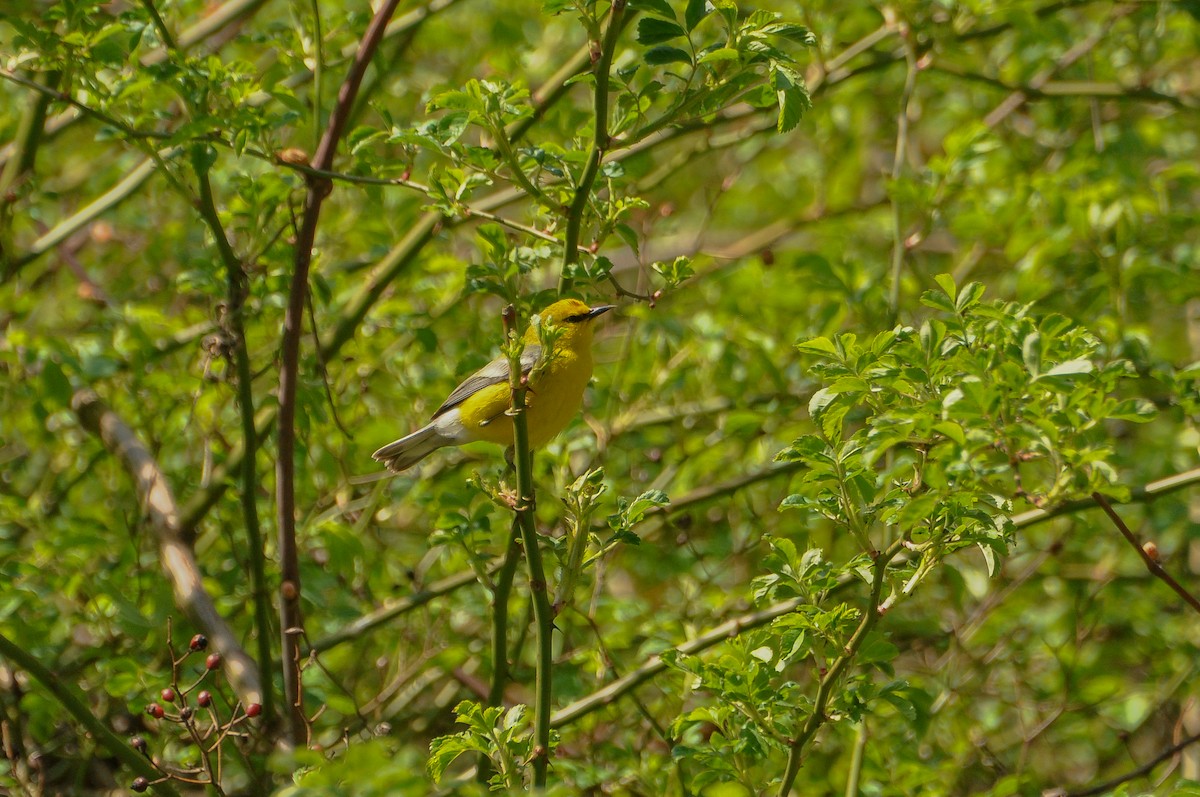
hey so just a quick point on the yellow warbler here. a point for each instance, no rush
(476, 409)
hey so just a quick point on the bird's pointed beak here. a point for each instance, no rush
(601, 310)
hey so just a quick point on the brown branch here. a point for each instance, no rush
(1068, 88)
(1038, 81)
(1143, 770)
(177, 556)
(1150, 561)
(291, 621)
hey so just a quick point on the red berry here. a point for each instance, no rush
(204, 699)
(185, 713)
(140, 784)
(213, 661)
(168, 695)
(155, 710)
(138, 743)
(253, 710)
(199, 642)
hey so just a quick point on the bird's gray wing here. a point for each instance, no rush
(494, 373)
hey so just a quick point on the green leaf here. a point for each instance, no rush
(1134, 410)
(652, 30)
(660, 7)
(938, 301)
(720, 54)
(1072, 367)
(56, 384)
(696, 11)
(951, 430)
(1065, 373)
(1031, 353)
(946, 282)
(969, 297)
(802, 449)
(820, 401)
(818, 346)
(793, 103)
(662, 54)
(792, 32)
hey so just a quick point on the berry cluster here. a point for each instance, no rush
(197, 713)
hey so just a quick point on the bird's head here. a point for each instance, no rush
(572, 318)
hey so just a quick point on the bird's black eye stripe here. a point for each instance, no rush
(575, 319)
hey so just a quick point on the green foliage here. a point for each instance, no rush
(977, 219)
(503, 735)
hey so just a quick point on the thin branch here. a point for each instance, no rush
(1150, 561)
(28, 138)
(235, 317)
(524, 509)
(901, 154)
(856, 758)
(178, 559)
(74, 701)
(1068, 88)
(1138, 495)
(1142, 771)
(818, 717)
(86, 215)
(600, 143)
(1081, 48)
(293, 329)
(86, 110)
(160, 26)
(500, 595)
(385, 614)
(318, 71)
(501, 591)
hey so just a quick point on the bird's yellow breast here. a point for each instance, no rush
(553, 399)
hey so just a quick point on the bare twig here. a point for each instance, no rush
(901, 154)
(293, 328)
(385, 614)
(1142, 771)
(1151, 562)
(1081, 48)
(70, 698)
(177, 557)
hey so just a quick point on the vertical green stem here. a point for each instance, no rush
(543, 615)
(600, 143)
(29, 134)
(236, 279)
(500, 595)
(856, 759)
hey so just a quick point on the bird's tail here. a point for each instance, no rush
(408, 451)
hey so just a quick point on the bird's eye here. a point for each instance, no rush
(575, 319)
